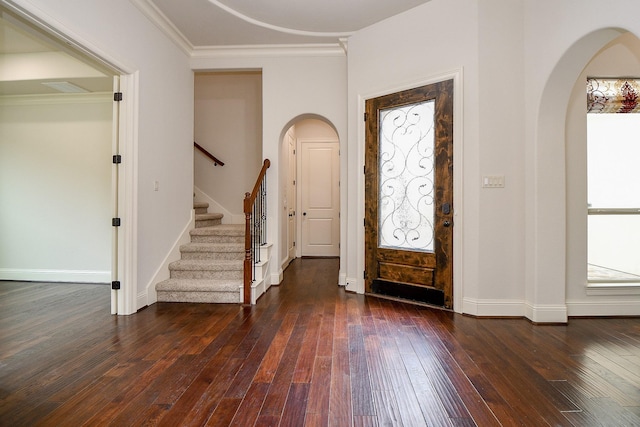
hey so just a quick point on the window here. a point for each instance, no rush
(613, 150)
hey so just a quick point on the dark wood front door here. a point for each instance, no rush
(409, 194)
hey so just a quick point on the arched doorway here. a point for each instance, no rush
(547, 244)
(310, 155)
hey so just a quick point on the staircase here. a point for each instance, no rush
(211, 266)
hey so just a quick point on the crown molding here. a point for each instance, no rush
(161, 21)
(323, 49)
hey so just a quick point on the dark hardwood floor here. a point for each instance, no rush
(307, 354)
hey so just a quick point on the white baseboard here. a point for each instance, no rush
(556, 313)
(162, 273)
(493, 308)
(277, 277)
(41, 275)
(604, 308)
(351, 285)
(515, 308)
(342, 279)
(228, 217)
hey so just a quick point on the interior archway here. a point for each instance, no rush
(298, 133)
(546, 182)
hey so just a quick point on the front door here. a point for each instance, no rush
(409, 194)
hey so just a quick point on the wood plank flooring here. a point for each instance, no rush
(308, 354)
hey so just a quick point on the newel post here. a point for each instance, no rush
(247, 249)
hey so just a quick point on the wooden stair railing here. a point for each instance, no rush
(204, 151)
(255, 213)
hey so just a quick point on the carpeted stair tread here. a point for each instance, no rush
(212, 247)
(197, 205)
(206, 216)
(206, 265)
(219, 230)
(199, 285)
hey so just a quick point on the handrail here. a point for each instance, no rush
(215, 160)
(255, 232)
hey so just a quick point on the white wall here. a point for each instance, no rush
(228, 123)
(406, 51)
(55, 188)
(160, 127)
(295, 84)
(518, 76)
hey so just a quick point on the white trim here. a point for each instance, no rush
(43, 275)
(162, 273)
(603, 308)
(546, 313)
(350, 283)
(493, 308)
(57, 99)
(342, 279)
(160, 20)
(605, 288)
(458, 177)
(265, 51)
(515, 308)
(276, 278)
(128, 195)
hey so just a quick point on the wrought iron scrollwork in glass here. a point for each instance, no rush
(406, 177)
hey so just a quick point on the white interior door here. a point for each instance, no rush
(291, 196)
(319, 195)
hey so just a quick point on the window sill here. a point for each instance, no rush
(613, 288)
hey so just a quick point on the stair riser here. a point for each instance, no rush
(217, 239)
(207, 274)
(201, 211)
(207, 222)
(206, 297)
(220, 256)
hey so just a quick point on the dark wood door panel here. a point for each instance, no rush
(406, 274)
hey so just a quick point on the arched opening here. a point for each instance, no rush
(618, 58)
(548, 246)
(310, 175)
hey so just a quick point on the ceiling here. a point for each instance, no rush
(197, 24)
(206, 23)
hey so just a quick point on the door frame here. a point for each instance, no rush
(299, 142)
(356, 282)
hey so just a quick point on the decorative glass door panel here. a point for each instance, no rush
(406, 165)
(409, 194)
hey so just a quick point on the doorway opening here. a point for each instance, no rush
(60, 127)
(311, 157)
